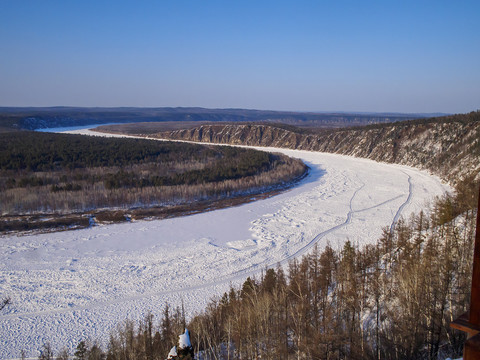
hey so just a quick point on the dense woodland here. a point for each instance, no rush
(391, 300)
(58, 173)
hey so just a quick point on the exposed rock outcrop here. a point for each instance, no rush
(448, 146)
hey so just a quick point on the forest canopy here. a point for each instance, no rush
(45, 173)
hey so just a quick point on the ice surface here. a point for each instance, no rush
(70, 286)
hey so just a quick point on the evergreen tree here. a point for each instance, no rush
(81, 351)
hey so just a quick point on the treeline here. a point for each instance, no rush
(471, 117)
(389, 300)
(9, 122)
(233, 165)
(58, 173)
(96, 195)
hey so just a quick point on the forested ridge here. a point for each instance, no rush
(44, 173)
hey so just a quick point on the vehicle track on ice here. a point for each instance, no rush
(402, 207)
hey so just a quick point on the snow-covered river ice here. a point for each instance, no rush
(69, 286)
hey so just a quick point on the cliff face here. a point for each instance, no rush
(448, 147)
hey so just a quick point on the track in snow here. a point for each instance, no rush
(400, 209)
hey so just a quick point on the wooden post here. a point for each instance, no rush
(475, 297)
(470, 321)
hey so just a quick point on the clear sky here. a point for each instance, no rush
(389, 55)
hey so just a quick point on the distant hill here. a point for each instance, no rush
(51, 117)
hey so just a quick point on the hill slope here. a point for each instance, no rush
(447, 146)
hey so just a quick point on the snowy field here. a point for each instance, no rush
(70, 286)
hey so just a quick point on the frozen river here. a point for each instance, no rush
(69, 286)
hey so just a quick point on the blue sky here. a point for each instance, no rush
(398, 56)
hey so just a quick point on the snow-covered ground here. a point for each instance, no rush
(69, 286)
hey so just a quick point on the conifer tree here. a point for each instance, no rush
(81, 351)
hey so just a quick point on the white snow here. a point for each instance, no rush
(184, 340)
(69, 286)
(172, 353)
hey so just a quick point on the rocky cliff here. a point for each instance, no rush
(447, 146)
